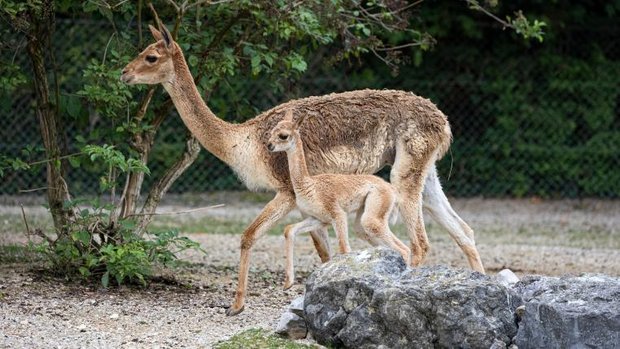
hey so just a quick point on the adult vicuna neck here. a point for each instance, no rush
(212, 132)
(297, 167)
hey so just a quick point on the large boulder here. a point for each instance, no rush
(370, 299)
(569, 312)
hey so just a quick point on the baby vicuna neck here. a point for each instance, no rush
(285, 137)
(297, 167)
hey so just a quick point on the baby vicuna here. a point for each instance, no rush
(327, 198)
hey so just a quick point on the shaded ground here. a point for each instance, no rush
(529, 237)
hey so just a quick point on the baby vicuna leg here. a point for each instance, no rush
(375, 222)
(307, 225)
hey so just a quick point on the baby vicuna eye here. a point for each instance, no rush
(151, 59)
(283, 136)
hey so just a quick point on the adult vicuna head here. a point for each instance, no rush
(155, 64)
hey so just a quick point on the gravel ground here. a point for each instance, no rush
(186, 309)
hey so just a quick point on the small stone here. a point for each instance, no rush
(291, 326)
(520, 311)
(82, 328)
(297, 306)
(497, 344)
(25, 322)
(114, 316)
(507, 278)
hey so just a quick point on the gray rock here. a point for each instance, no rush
(291, 326)
(297, 306)
(506, 277)
(569, 312)
(370, 299)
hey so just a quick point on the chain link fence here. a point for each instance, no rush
(523, 124)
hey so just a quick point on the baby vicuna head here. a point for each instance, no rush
(285, 134)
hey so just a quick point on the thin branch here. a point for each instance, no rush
(32, 190)
(405, 8)
(105, 52)
(174, 4)
(140, 41)
(39, 232)
(175, 212)
(146, 100)
(25, 222)
(192, 149)
(373, 18)
(476, 6)
(48, 160)
(393, 48)
(388, 63)
(155, 12)
(200, 2)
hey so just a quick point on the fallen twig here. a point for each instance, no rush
(176, 212)
(25, 222)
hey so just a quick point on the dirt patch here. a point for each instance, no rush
(37, 311)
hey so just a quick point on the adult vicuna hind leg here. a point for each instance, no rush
(411, 164)
(320, 239)
(437, 205)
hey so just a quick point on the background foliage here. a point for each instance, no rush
(528, 118)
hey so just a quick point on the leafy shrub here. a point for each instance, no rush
(98, 249)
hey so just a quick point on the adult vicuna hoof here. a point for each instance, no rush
(232, 311)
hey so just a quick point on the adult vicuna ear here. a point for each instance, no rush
(165, 33)
(156, 33)
(162, 32)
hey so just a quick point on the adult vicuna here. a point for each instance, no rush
(327, 198)
(351, 132)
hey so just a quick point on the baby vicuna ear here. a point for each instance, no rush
(288, 116)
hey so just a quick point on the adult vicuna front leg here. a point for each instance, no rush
(437, 205)
(275, 210)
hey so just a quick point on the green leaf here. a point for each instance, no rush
(74, 161)
(256, 68)
(193, 61)
(105, 279)
(81, 236)
(74, 106)
(84, 271)
(298, 63)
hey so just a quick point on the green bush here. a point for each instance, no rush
(98, 250)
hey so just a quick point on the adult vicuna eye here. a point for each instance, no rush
(283, 137)
(151, 59)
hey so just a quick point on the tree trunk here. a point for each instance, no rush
(38, 45)
(141, 142)
(192, 149)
